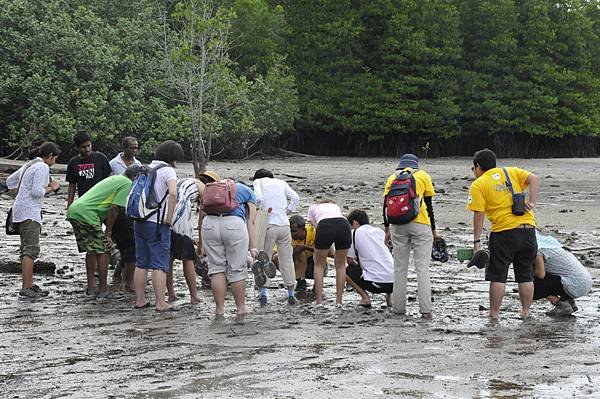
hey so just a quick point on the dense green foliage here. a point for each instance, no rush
(424, 68)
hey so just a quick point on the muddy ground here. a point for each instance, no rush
(68, 346)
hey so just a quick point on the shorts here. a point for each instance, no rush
(29, 231)
(354, 272)
(333, 231)
(152, 245)
(225, 240)
(90, 237)
(123, 236)
(517, 246)
(182, 247)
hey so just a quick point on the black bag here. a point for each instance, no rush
(12, 229)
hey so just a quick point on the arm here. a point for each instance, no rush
(478, 218)
(70, 194)
(429, 206)
(171, 200)
(540, 270)
(293, 197)
(113, 213)
(534, 191)
(12, 182)
(258, 192)
(251, 228)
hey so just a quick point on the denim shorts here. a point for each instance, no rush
(152, 245)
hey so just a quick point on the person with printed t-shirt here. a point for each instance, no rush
(153, 236)
(85, 169)
(86, 214)
(512, 239)
(418, 234)
(225, 239)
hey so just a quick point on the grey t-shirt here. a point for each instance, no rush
(576, 280)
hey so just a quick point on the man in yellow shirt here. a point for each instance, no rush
(419, 234)
(303, 242)
(512, 239)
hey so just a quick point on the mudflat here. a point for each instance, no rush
(70, 346)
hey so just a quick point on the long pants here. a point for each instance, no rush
(549, 285)
(281, 236)
(417, 236)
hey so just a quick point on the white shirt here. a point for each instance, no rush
(183, 220)
(29, 200)
(374, 256)
(275, 194)
(118, 166)
(163, 176)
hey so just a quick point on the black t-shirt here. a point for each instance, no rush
(85, 173)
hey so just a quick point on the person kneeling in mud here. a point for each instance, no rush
(370, 263)
(559, 276)
(86, 214)
(189, 191)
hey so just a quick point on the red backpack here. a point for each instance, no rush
(402, 205)
(219, 197)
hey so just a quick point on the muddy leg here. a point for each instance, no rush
(526, 297)
(190, 279)
(102, 261)
(170, 289)
(496, 294)
(90, 268)
(300, 263)
(320, 259)
(363, 294)
(140, 276)
(219, 290)
(340, 273)
(127, 276)
(27, 271)
(239, 295)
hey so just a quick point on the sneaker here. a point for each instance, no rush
(39, 290)
(573, 304)
(268, 266)
(30, 293)
(301, 284)
(109, 296)
(561, 309)
(292, 300)
(262, 300)
(260, 279)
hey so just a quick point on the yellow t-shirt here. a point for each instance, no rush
(309, 240)
(424, 187)
(489, 194)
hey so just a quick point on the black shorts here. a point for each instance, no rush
(123, 236)
(354, 272)
(549, 285)
(517, 246)
(182, 247)
(333, 231)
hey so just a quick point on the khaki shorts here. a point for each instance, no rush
(30, 231)
(225, 240)
(90, 237)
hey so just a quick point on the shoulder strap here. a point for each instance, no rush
(508, 182)
(354, 245)
(27, 166)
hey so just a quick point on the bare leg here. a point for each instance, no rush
(140, 276)
(239, 295)
(340, 274)
(90, 268)
(496, 294)
(320, 258)
(300, 264)
(27, 271)
(388, 300)
(127, 276)
(363, 294)
(526, 296)
(159, 282)
(102, 262)
(170, 289)
(219, 290)
(189, 272)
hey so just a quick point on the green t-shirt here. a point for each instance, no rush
(93, 206)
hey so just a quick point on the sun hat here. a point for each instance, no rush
(211, 174)
(408, 161)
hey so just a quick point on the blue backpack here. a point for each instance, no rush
(141, 200)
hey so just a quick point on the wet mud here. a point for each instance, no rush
(70, 346)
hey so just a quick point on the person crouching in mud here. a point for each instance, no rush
(559, 276)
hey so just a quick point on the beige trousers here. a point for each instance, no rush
(281, 236)
(417, 236)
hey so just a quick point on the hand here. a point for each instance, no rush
(254, 253)
(436, 235)
(529, 205)
(476, 246)
(54, 185)
(388, 238)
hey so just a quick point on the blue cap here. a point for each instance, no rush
(408, 161)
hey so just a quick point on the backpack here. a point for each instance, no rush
(219, 197)
(141, 200)
(402, 205)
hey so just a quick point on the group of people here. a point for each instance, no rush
(231, 243)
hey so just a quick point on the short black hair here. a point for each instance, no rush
(260, 173)
(169, 151)
(132, 171)
(81, 137)
(297, 220)
(486, 159)
(126, 141)
(359, 215)
(45, 149)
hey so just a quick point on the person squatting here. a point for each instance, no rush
(147, 212)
